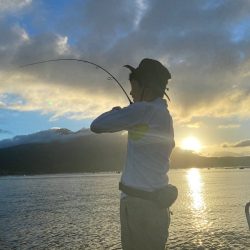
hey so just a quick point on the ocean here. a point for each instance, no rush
(81, 211)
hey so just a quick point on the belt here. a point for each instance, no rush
(136, 192)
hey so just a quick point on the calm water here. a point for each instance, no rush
(81, 211)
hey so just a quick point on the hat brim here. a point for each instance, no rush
(132, 69)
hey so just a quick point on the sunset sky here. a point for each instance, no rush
(204, 43)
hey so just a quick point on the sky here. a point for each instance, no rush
(205, 44)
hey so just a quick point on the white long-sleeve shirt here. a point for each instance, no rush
(150, 141)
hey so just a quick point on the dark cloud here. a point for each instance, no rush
(245, 143)
(205, 44)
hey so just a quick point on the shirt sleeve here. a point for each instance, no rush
(119, 119)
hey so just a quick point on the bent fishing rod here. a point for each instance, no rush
(81, 61)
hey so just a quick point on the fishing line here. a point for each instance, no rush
(81, 61)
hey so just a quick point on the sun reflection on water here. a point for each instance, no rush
(198, 206)
(195, 185)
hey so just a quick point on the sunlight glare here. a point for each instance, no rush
(191, 143)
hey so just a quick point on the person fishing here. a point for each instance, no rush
(144, 210)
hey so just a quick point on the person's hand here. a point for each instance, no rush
(116, 108)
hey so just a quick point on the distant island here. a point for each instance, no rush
(63, 151)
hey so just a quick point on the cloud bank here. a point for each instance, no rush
(205, 44)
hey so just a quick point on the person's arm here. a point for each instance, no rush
(119, 119)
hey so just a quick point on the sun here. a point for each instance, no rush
(191, 143)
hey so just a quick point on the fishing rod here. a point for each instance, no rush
(247, 211)
(81, 61)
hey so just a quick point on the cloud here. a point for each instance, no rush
(204, 44)
(224, 149)
(13, 5)
(3, 131)
(194, 125)
(58, 101)
(229, 126)
(245, 143)
(2, 104)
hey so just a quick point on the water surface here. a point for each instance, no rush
(81, 211)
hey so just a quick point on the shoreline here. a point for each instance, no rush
(111, 172)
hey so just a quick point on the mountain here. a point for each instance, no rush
(64, 151)
(187, 159)
(51, 135)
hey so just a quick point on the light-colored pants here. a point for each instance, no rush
(144, 226)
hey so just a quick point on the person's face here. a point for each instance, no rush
(136, 90)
